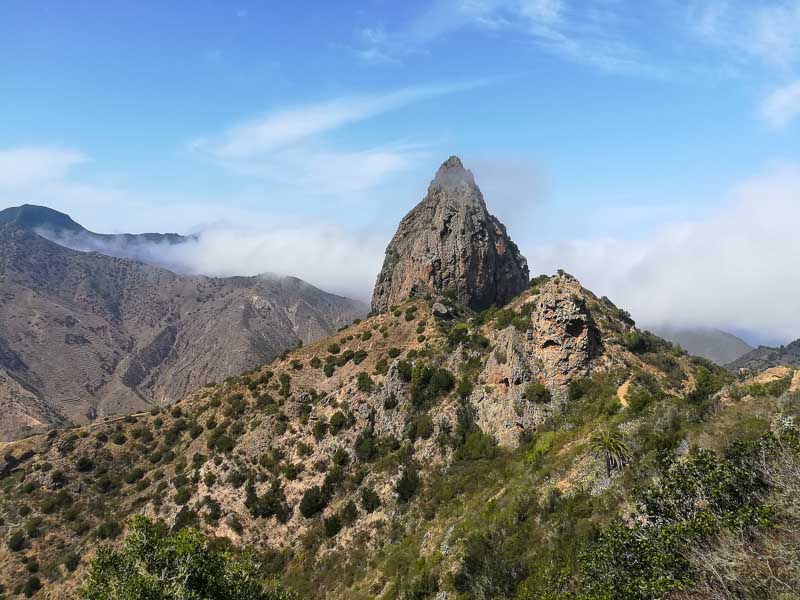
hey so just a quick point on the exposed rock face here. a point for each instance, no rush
(562, 343)
(451, 243)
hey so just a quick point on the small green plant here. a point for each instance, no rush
(364, 382)
(537, 393)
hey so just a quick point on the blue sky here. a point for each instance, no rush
(589, 124)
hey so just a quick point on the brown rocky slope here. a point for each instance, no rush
(84, 335)
(261, 459)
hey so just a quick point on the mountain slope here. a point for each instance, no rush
(544, 450)
(91, 335)
(395, 398)
(713, 344)
(52, 223)
(765, 357)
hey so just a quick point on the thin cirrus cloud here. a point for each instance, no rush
(285, 127)
(768, 31)
(584, 32)
(289, 145)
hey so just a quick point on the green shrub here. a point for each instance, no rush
(16, 541)
(337, 422)
(334, 349)
(183, 495)
(108, 530)
(333, 525)
(408, 484)
(157, 564)
(364, 382)
(370, 501)
(320, 428)
(329, 369)
(381, 367)
(31, 586)
(394, 352)
(84, 464)
(313, 502)
(538, 393)
(477, 446)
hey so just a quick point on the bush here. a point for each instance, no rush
(408, 484)
(538, 393)
(329, 369)
(71, 561)
(334, 349)
(315, 362)
(333, 525)
(118, 438)
(84, 464)
(338, 422)
(428, 383)
(370, 501)
(16, 541)
(31, 586)
(153, 561)
(108, 530)
(394, 352)
(314, 501)
(364, 383)
(477, 446)
(381, 367)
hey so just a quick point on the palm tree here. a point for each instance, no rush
(610, 445)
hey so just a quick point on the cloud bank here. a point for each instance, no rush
(735, 270)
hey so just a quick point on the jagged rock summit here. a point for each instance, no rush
(450, 243)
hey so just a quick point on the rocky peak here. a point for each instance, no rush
(450, 243)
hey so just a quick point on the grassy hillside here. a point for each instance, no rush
(545, 450)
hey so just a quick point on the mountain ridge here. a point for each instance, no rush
(119, 335)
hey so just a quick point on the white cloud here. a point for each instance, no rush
(736, 269)
(782, 106)
(25, 166)
(333, 258)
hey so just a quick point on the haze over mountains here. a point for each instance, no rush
(84, 335)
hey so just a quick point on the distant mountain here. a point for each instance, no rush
(765, 357)
(84, 335)
(719, 346)
(53, 224)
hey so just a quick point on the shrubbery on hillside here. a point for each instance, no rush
(158, 565)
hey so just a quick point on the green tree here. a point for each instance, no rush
(154, 564)
(611, 447)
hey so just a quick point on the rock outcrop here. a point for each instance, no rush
(450, 244)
